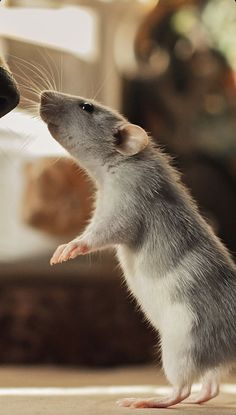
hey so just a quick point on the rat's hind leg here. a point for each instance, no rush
(210, 387)
(178, 371)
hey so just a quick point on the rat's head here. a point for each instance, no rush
(93, 134)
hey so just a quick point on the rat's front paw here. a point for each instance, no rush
(69, 251)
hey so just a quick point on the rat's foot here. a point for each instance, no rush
(178, 396)
(69, 251)
(209, 391)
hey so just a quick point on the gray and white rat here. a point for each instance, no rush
(178, 270)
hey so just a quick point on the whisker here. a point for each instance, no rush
(50, 68)
(29, 89)
(29, 107)
(24, 98)
(22, 74)
(34, 86)
(106, 79)
(37, 69)
(38, 74)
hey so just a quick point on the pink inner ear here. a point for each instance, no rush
(134, 130)
(132, 139)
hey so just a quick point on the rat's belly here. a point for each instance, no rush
(155, 293)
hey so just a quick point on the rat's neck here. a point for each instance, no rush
(94, 170)
(125, 173)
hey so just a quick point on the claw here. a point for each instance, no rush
(69, 251)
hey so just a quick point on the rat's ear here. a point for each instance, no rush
(130, 139)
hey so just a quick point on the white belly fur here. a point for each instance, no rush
(154, 293)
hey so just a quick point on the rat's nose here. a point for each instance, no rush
(47, 97)
(9, 94)
(49, 105)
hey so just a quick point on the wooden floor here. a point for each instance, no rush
(52, 391)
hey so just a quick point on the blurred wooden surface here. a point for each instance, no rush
(93, 394)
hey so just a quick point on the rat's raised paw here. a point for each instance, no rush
(69, 251)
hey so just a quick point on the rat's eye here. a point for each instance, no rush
(86, 106)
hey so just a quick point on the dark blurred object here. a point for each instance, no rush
(184, 94)
(73, 314)
(9, 94)
(57, 197)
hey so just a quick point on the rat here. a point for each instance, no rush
(180, 273)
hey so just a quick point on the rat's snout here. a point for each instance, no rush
(48, 99)
(50, 106)
(47, 96)
(52, 112)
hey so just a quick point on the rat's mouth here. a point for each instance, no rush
(53, 128)
(45, 113)
(46, 117)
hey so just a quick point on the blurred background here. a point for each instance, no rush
(169, 66)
